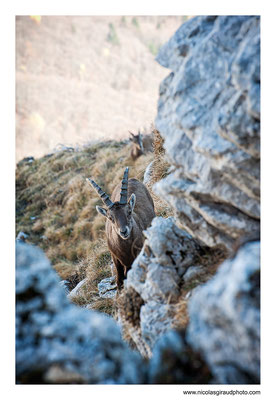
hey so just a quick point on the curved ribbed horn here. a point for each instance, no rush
(123, 199)
(105, 198)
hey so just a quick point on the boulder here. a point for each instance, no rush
(59, 342)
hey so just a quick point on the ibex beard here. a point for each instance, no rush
(129, 212)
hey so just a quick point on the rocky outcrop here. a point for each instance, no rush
(225, 319)
(222, 342)
(209, 116)
(58, 342)
(156, 280)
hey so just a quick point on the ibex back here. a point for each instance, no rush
(129, 211)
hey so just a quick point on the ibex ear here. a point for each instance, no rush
(102, 211)
(132, 201)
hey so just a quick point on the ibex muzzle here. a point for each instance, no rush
(129, 211)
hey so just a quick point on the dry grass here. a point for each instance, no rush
(160, 171)
(56, 208)
(210, 260)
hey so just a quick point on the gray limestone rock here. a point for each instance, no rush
(174, 361)
(77, 290)
(58, 342)
(209, 116)
(107, 287)
(155, 279)
(225, 319)
(148, 173)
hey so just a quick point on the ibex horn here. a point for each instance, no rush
(105, 198)
(123, 199)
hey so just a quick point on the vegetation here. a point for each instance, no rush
(135, 22)
(153, 48)
(56, 207)
(112, 36)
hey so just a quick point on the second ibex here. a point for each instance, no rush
(129, 211)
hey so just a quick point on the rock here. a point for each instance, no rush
(209, 116)
(107, 287)
(77, 289)
(148, 174)
(151, 290)
(225, 319)
(22, 236)
(193, 272)
(174, 361)
(58, 342)
(64, 284)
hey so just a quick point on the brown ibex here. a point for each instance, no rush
(129, 211)
(140, 144)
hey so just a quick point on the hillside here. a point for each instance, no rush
(189, 311)
(55, 207)
(81, 79)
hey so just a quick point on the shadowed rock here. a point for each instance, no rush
(225, 319)
(58, 342)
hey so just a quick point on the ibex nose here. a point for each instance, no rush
(124, 233)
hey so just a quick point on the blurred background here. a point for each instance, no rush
(81, 79)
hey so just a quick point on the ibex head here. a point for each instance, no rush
(118, 213)
(137, 140)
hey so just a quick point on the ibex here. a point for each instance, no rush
(129, 211)
(140, 144)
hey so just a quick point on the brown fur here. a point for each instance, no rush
(124, 251)
(148, 143)
(137, 149)
(135, 152)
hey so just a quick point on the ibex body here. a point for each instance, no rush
(129, 211)
(140, 144)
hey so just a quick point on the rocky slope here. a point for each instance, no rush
(190, 331)
(209, 117)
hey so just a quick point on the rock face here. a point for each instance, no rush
(152, 287)
(225, 319)
(58, 342)
(209, 116)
